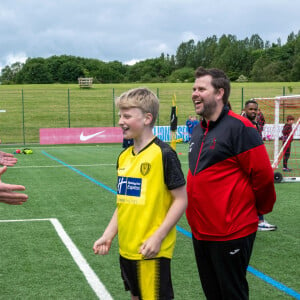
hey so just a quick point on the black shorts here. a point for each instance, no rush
(148, 279)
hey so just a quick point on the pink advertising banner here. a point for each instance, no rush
(80, 135)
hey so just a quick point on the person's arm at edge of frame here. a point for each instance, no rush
(7, 159)
(8, 194)
(103, 244)
(152, 245)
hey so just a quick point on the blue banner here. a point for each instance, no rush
(164, 133)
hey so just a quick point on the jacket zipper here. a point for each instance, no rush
(203, 139)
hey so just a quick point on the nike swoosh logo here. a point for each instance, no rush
(84, 138)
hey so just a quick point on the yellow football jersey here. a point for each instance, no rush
(144, 198)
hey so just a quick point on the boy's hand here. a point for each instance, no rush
(102, 246)
(151, 247)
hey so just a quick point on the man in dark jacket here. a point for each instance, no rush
(230, 181)
(251, 113)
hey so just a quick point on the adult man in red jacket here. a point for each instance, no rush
(230, 181)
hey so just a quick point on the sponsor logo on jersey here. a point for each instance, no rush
(129, 186)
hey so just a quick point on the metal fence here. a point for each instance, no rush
(25, 110)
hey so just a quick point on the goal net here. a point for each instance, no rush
(283, 150)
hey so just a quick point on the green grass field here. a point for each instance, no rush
(74, 186)
(31, 107)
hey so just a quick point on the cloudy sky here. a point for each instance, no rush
(133, 30)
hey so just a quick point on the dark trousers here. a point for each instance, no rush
(286, 156)
(222, 267)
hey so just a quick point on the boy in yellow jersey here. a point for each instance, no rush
(151, 198)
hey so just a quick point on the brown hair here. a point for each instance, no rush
(219, 80)
(290, 117)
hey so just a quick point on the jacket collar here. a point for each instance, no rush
(211, 124)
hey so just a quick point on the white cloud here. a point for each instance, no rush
(131, 62)
(12, 58)
(130, 31)
(187, 36)
(18, 57)
(162, 47)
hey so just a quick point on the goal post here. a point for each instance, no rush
(275, 111)
(279, 156)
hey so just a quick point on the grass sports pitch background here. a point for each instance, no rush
(31, 107)
(72, 195)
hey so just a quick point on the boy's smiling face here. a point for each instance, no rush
(132, 121)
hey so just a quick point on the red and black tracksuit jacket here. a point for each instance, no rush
(230, 179)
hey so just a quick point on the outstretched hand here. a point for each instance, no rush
(8, 194)
(7, 159)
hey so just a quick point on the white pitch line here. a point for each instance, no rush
(23, 220)
(88, 272)
(90, 275)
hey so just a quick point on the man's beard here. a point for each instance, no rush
(251, 118)
(208, 109)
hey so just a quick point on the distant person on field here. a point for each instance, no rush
(195, 122)
(189, 125)
(151, 198)
(251, 111)
(287, 129)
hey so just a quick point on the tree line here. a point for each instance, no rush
(250, 59)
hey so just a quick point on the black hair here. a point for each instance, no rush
(251, 101)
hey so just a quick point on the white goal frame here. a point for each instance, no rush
(276, 133)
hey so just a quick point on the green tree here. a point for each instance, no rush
(9, 73)
(35, 70)
(182, 75)
(69, 72)
(291, 37)
(206, 51)
(6, 75)
(256, 42)
(295, 72)
(250, 57)
(257, 73)
(223, 52)
(54, 63)
(185, 54)
(118, 72)
(151, 70)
